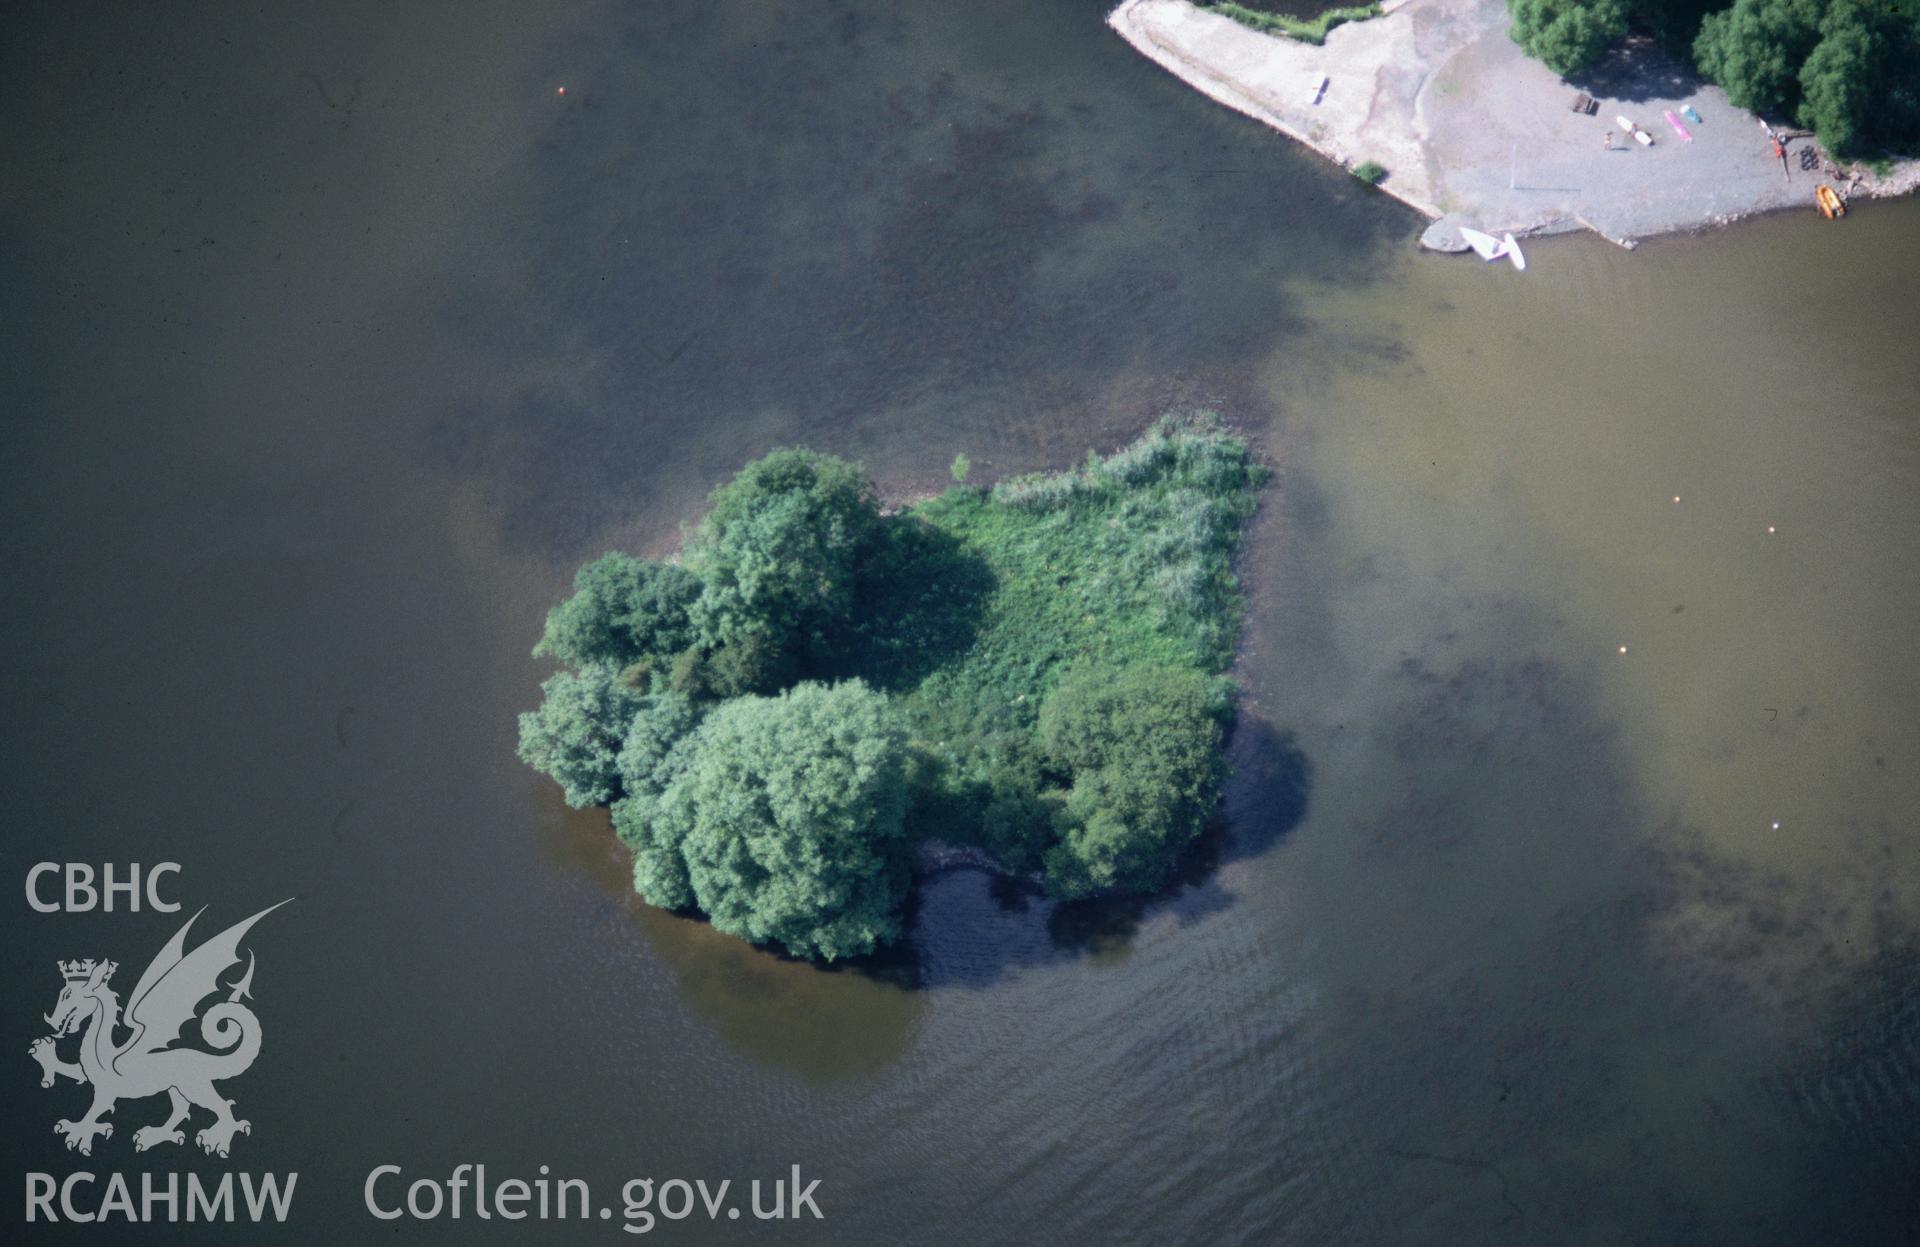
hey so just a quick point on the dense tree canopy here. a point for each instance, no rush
(1567, 35)
(1861, 83)
(659, 748)
(1840, 81)
(576, 734)
(622, 610)
(778, 552)
(1754, 50)
(753, 662)
(1142, 746)
(793, 809)
(1850, 69)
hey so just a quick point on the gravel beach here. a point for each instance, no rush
(1472, 132)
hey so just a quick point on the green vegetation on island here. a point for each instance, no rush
(1279, 22)
(1372, 172)
(1035, 671)
(1847, 69)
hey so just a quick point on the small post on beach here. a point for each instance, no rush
(1513, 159)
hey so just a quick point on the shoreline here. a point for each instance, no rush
(1474, 133)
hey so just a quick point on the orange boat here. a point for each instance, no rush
(1830, 205)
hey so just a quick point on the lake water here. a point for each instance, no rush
(1567, 891)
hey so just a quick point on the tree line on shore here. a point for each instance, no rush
(1847, 69)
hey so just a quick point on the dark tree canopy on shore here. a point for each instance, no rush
(1847, 69)
(1567, 35)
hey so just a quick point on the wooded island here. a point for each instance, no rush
(777, 715)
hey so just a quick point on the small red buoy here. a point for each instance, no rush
(561, 91)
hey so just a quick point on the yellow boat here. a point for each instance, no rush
(1830, 205)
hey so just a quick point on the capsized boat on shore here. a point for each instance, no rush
(1486, 246)
(1830, 203)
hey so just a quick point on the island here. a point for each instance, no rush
(1505, 115)
(815, 688)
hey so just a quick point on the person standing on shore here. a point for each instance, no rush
(1608, 141)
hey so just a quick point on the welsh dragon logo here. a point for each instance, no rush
(166, 998)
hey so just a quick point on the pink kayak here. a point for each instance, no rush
(1678, 129)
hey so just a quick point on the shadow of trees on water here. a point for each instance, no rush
(964, 934)
(970, 927)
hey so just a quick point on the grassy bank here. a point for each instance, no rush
(1306, 29)
(1123, 563)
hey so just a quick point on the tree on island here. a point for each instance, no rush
(791, 809)
(622, 610)
(780, 818)
(1142, 749)
(777, 553)
(576, 734)
(659, 748)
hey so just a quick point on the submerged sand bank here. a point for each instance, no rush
(1473, 132)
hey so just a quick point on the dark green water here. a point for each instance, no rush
(334, 338)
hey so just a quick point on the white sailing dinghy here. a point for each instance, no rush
(1486, 246)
